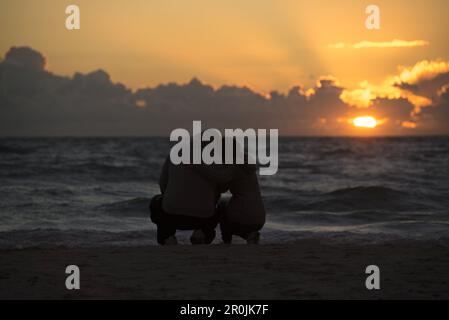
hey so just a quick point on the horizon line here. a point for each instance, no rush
(443, 135)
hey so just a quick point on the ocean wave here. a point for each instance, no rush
(338, 152)
(136, 207)
(104, 184)
(360, 217)
(111, 168)
(15, 150)
(89, 171)
(53, 191)
(359, 198)
(366, 191)
(363, 198)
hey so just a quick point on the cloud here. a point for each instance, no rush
(423, 86)
(435, 119)
(408, 124)
(381, 44)
(36, 102)
(423, 70)
(26, 57)
(418, 84)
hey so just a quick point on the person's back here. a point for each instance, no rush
(244, 214)
(188, 193)
(188, 200)
(246, 205)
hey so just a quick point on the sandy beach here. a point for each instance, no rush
(309, 269)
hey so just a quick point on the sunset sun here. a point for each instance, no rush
(365, 122)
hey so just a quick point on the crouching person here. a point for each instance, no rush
(188, 202)
(244, 214)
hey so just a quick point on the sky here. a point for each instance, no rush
(263, 45)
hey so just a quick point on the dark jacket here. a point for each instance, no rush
(192, 190)
(245, 206)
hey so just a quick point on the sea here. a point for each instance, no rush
(91, 192)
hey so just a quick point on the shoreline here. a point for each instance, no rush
(308, 269)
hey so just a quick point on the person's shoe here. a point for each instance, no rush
(198, 237)
(253, 237)
(170, 241)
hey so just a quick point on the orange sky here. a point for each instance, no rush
(266, 45)
(262, 44)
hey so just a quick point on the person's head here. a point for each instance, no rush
(239, 154)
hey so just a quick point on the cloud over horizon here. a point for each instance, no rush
(34, 101)
(422, 85)
(396, 43)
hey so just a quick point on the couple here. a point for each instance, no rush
(190, 200)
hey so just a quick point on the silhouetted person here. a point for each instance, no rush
(190, 194)
(244, 213)
(188, 202)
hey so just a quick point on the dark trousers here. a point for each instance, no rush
(229, 228)
(168, 223)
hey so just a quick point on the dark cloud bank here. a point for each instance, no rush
(36, 102)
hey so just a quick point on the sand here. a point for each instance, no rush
(309, 269)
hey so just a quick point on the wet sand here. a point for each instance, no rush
(309, 269)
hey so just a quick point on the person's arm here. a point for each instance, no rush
(220, 174)
(163, 179)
